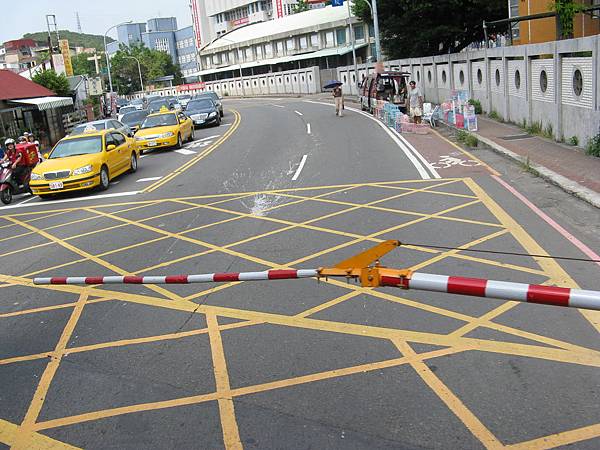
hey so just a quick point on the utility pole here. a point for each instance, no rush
(376, 26)
(51, 22)
(353, 37)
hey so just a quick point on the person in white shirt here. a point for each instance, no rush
(415, 102)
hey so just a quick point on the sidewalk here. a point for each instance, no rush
(567, 167)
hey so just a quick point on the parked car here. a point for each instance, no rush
(104, 124)
(165, 129)
(124, 110)
(390, 86)
(134, 119)
(85, 161)
(203, 111)
(215, 98)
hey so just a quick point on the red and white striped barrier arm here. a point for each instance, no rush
(184, 279)
(478, 287)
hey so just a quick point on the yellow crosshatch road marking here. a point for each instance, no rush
(26, 435)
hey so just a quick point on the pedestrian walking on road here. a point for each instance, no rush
(338, 97)
(415, 102)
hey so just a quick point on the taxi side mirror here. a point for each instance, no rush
(110, 147)
(45, 155)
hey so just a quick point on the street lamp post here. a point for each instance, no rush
(106, 53)
(139, 70)
(373, 9)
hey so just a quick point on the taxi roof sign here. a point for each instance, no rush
(90, 129)
(164, 109)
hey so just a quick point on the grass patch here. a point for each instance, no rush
(574, 140)
(494, 115)
(466, 138)
(593, 146)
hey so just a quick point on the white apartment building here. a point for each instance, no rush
(213, 18)
(318, 37)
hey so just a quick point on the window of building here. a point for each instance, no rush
(341, 36)
(215, 59)
(303, 42)
(290, 44)
(359, 33)
(280, 47)
(329, 42)
(577, 82)
(248, 53)
(314, 40)
(162, 45)
(269, 50)
(371, 30)
(259, 51)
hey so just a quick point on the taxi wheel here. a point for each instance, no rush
(193, 134)
(133, 163)
(44, 196)
(104, 180)
(179, 142)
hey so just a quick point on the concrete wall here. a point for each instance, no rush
(554, 84)
(300, 81)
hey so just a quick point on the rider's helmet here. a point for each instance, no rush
(22, 139)
(9, 141)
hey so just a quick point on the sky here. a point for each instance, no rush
(23, 16)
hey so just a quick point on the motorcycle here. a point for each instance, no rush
(10, 186)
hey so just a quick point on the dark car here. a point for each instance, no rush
(214, 97)
(121, 102)
(155, 105)
(203, 111)
(134, 119)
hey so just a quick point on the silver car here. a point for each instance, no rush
(105, 124)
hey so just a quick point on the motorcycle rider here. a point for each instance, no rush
(14, 157)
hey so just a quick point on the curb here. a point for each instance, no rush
(567, 185)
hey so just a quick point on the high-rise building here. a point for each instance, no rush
(213, 18)
(161, 34)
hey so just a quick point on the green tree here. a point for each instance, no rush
(301, 6)
(154, 64)
(75, 39)
(81, 65)
(430, 27)
(51, 80)
(566, 10)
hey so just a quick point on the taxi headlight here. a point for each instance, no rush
(212, 114)
(140, 138)
(35, 176)
(167, 134)
(82, 170)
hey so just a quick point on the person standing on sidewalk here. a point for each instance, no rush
(415, 102)
(338, 97)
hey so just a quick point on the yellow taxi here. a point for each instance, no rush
(85, 161)
(164, 129)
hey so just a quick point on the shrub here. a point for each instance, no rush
(225, 94)
(494, 115)
(574, 141)
(477, 105)
(461, 135)
(593, 146)
(471, 141)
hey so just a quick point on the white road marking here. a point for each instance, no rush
(115, 182)
(184, 151)
(31, 197)
(300, 167)
(277, 106)
(70, 200)
(209, 137)
(225, 124)
(299, 113)
(143, 156)
(308, 128)
(419, 162)
(143, 180)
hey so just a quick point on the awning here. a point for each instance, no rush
(44, 103)
(283, 59)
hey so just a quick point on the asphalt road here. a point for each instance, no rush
(301, 363)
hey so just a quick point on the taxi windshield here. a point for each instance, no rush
(80, 146)
(161, 120)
